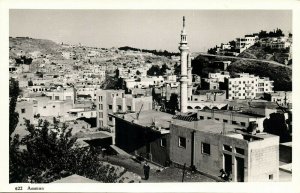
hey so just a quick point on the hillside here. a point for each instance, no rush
(28, 45)
(202, 65)
(256, 52)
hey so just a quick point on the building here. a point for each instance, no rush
(76, 113)
(47, 107)
(116, 101)
(264, 85)
(209, 146)
(62, 94)
(219, 76)
(248, 86)
(87, 90)
(242, 119)
(25, 109)
(145, 136)
(280, 97)
(130, 72)
(246, 42)
(144, 82)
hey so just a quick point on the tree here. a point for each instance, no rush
(14, 92)
(277, 125)
(164, 69)
(173, 104)
(51, 153)
(154, 71)
(30, 83)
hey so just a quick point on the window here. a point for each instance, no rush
(53, 106)
(100, 98)
(208, 117)
(128, 108)
(243, 124)
(23, 110)
(110, 118)
(217, 119)
(68, 97)
(240, 151)
(227, 147)
(234, 122)
(100, 115)
(100, 123)
(225, 120)
(101, 107)
(119, 107)
(271, 177)
(110, 107)
(205, 148)
(201, 117)
(163, 142)
(182, 142)
(56, 97)
(44, 107)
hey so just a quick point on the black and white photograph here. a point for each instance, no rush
(148, 96)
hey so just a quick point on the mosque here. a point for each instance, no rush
(186, 87)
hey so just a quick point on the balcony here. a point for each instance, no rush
(248, 91)
(247, 85)
(235, 85)
(235, 91)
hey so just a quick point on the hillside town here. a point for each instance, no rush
(157, 109)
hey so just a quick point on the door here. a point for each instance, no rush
(228, 163)
(240, 169)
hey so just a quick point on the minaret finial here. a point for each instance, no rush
(183, 21)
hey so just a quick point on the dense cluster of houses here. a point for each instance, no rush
(212, 132)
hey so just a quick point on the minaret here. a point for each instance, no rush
(184, 50)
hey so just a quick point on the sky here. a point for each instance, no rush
(147, 29)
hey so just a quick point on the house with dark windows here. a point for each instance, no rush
(210, 146)
(145, 134)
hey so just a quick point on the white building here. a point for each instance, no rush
(220, 76)
(246, 42)
(247, 86)
(62, 94)
(116, 101)
(144, 82)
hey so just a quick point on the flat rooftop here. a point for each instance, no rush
(210, 126)
(146, 118)
(216, 127)
(234, 113)
(92, 135)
